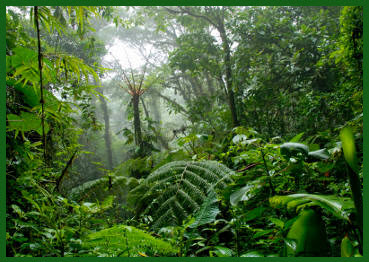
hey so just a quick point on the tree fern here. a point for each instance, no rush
(178, 189)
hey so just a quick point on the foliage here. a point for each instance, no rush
(307, 236)
(247, 142)
(339, 207)
(179, 188)
(123, 240)
(207, 211)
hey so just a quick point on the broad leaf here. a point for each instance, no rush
(340, 207)
(297, 137)
(289, 150)
(310, 235)
(239, 138)
(318, 155)
(252, 254)
(26, 122)
(349, 149)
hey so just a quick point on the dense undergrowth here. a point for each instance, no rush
(278, 173)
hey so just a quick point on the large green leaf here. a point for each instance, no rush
(26, 122)
(340, 207)
(32, 97)
(207, 212)
(318, 155)
(297, 137)
(349, 149)
(347, 249)
(252, 254)
(289, 149)
(307, 236)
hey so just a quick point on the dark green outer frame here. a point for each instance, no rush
(4, 3)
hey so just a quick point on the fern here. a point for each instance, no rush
(97, 189)
(179, 188)
(122, 240)
(89, 189)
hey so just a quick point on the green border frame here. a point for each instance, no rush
(5, 3)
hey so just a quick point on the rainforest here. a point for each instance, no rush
(184, 131)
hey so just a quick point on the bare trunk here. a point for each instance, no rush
(228, 75)
(107, 137)
(136, 120)
(163, 142)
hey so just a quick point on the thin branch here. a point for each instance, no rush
(142, 78)
(130, 86)
(189, 12)
(186, 10)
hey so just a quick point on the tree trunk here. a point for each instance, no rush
(136, 120)
(107, 137)
(163, 142)
(228, 76)
(155, 107)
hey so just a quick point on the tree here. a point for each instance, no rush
(135, 89)
(216, 16)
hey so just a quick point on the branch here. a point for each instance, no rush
(65, 171)
(170, 101)
(186, 10)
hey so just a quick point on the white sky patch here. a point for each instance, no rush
(127, 56)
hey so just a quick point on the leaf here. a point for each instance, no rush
(262, 233)
(26, 122)
(239, 138)
(347, 249)
(349, 149)
(114, 239)
(297, 137)
(279, 223)
(178, 189)
(255, 213)
(310, 235)
(32, 97)
(223, 251)
(245, 193)
(252, 254)
(17, 210)
(208, 211)
(289, 150)
(318, 155)
(340, 207)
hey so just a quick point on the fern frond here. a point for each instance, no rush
(179, 188)
(89, 189)
(97, 189)
(122, 240)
